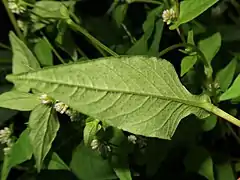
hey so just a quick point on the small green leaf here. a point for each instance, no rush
(187, 63)
(190, 9)
(44, 126)
(190, 38)
(233, 91)
(224, 171)
(225, 76)
(210, 46)
(19, 100)
(23, 59)
(209, 123)
(154, 48)
(90, 131)
(50, 10)
(141, 46)
(198, 160)
(56, 163)
(123, 173)
(20, 152)
(119, 13)
(126, 94)
(89, 165)
(43, 53)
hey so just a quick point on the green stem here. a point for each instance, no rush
(94, 41)
(13, 20)
(80, 51)
(132, 39)
(147, 1)
(5, 46)
(233, 133)
(215, 110)
(53, 49)
(181, 35)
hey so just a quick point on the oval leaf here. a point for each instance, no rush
(233, 91)
(190, 9)
(43, 53)
(43, 126)
(210, 46)
(225, 76)
(137, 94)
(87, 164)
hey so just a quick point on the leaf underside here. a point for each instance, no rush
(137, 94)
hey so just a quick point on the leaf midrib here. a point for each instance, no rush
(199, 104)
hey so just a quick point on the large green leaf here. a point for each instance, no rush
(225, 76)
(233, 91)
(19, 100)
(137, 94)
(87, 164)
(23, 59)
(210, 46)
(20, 152)
(190, 9)
(44, 126)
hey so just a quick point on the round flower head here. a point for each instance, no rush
(16, 6)
(45, 99)
(5, 135)
(132, 139)
(61, 107)
(169, 15)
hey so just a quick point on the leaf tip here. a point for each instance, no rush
(10, 77)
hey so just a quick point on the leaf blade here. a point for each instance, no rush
(43, 130)
(125, 90)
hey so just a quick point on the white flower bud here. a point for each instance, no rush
(95, 144)
(45, 99)
(132, 139)
(169, 15)
(61, 107)
(16, 6)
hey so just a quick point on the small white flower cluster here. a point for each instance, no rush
(169, 15)
(5, 138)
(59, 106)
(97, 145)
(16, 6)
(132, 139)
(21, 24)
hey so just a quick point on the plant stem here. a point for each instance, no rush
(181, 35)
(233, 133)
(5, 46)
(215, 110)
(94, 41)
(13, 20)
(132, 39)
(53, 49)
